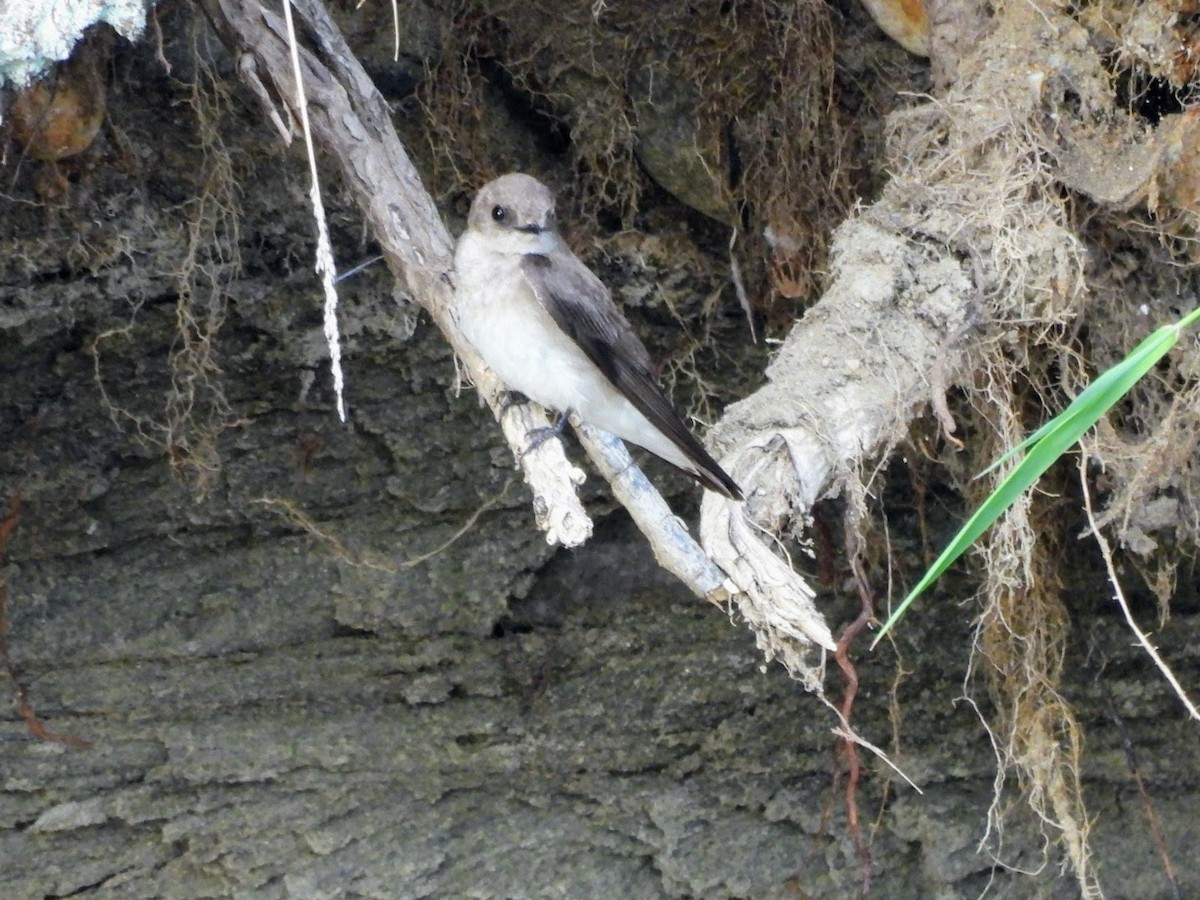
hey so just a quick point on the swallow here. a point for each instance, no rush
(548, 327)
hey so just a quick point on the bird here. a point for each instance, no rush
(548, 327)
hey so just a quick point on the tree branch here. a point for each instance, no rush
(351, 120)
(883, 324)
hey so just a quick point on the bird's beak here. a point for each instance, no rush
(532, 228)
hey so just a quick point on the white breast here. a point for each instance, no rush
(516, 337)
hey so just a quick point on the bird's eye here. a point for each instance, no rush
(498, 213)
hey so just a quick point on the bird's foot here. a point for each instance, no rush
(539, 436)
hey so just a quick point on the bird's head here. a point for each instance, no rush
(516, 213)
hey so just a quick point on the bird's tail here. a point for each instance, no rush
(706, 470)
(682, 450)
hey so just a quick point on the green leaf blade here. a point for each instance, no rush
(1044, 447)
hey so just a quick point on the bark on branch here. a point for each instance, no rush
(894, 305)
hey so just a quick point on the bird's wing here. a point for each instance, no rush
(582, 307)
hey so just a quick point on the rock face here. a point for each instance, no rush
(298, 680)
